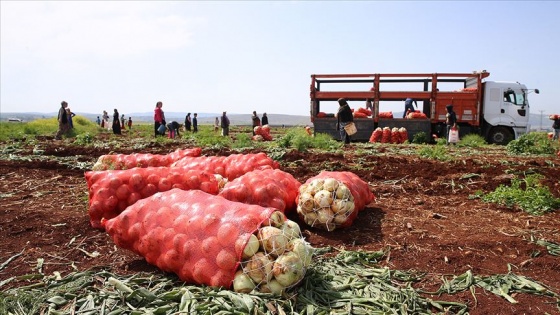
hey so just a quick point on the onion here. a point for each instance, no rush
(242, 283)
(302, 249)
(222, 181)
(276, 219)
(310, 218)
(340, 218)
(306, 202)
(272, 240)
(273, 286)
(323, 199)
(315, 185)
(259, 268)
(343, 192)
(288, 269)
(251, 248)
(291, 230)
(338, 205)
(330, 184)
(324, 216)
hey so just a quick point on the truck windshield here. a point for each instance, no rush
(517, 98)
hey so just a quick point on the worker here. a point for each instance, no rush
(173, 128)
(408, 106)
(369, 105)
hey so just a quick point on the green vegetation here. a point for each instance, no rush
(435, 152)
(533, 143)
(527, 194)
(472, 141)
(349, 280)
(420, 138)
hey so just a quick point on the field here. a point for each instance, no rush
(424, 219)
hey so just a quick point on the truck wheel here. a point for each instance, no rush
(500, 135)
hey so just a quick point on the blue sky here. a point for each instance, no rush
(241, 56)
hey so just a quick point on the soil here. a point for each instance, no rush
(422, 213)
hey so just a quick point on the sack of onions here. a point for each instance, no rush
(206, 239)
(111, 192)
(231, 166)
(268, 188)
(332, 200)
(128, 161)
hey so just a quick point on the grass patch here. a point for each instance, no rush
(526, 194)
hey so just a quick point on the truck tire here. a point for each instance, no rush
(500, 135)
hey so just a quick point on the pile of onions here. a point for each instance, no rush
(325, 203)
(274, 259)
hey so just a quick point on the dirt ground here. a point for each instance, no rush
(422, 213)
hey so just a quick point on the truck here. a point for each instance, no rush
(497, 111)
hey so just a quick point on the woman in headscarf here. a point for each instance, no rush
(343, 117)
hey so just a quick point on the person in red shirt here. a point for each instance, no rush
(158, 118)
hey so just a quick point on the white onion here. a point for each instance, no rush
(288, 269)
(310, 218)
(291, 230)
(276, 219)
(251, 248)
(343, 192)
(315, 185)
(272, 240)
(259, 268)
(330, 184)
(306, 201)
(338, 205)
(273, 286)
(323, 199)
(324, 216)
(242, 283)
(302, 249)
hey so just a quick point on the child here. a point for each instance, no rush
(129, 122)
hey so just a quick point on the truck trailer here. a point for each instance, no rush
(498, 111)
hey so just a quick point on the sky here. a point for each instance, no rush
(240, 56)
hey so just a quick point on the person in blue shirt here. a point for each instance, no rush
(408, 108)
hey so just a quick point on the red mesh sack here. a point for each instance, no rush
(111, 192)
(268, 188)
(386, 115)
(128, 161)
(332, 199)
(386, 135)
(207, 239)
(263, 132)
(403, 135)
(395, 135)
(360, 115)
(231, 166)
(376, 135)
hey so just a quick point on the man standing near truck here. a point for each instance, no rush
(344, 117)
(450, 121)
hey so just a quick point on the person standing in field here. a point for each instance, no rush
(256, 121)
(129, 122)
(225, 125)
(556, 127)
(264, 119)
(188, 122)
(62, 121)
(158, 118)
(216, 124)
(122, 121)
(344, 117)
(195, 123)
(116, 123)
(450, 121)
(98, 121)
(70, 115)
